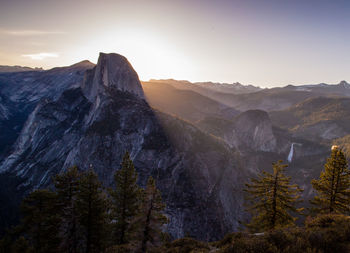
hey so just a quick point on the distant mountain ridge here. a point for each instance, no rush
(16, 68)
(5, 68)
(184, 103)
(234, 88)
(200, 141)
(242, 98)
(342, 88)
(238, 88)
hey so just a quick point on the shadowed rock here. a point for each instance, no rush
(112, 72)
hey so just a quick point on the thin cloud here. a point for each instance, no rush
(40, 56)
(29, 32)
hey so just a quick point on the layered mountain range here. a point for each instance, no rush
(200, 141)
(7, 69)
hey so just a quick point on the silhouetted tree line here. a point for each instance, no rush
(272, 199)
(80, 215)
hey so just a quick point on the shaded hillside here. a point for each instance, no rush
(316, 118)
(260, 144)
(21, 92)
(267, 100)
(94, 124)
(200, 151)
(251, 99)
(250, 130)
(186, 104)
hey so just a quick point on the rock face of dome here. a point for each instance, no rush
(95, 123)
(112, 72)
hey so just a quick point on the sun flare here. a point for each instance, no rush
(150, 54)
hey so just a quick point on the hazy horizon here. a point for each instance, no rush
(265, 43)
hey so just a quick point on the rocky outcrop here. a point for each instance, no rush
(254, 130)
(198, 174)
(251, 130)
(58, 118)
(112, 72)
(21, 92)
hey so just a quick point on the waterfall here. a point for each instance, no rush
(290, 156)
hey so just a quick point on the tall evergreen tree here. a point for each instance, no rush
(67, 187)
(92, 207)
(40, 221)
(271, 199)
(333, 187)
(151, 217)
(126, 200)
(21, 245)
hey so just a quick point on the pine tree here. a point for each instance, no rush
(151, 217)
(92, 207)
(67, 187)
(21, 245)
(333, 187)
(126, 200)
(40, 221)
(271, 199)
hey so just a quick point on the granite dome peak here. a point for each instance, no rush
(112, 72)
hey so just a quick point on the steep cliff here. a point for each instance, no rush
(113, 72)
(93, 125)
(21, 92)
(250, 130)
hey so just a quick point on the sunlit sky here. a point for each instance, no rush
(261, 42)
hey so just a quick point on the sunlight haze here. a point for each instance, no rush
(263, 42)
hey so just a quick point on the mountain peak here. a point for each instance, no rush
(112, 72)
(255, 130)
(344, 83)
(83, 64)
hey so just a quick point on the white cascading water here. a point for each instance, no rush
(290, 155)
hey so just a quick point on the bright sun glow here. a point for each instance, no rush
(150, 56)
